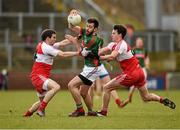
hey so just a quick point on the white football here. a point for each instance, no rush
(74, 19)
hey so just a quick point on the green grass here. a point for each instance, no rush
(136, 115)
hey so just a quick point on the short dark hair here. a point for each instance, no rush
(95, 21)
(47, 33)
(120, 29)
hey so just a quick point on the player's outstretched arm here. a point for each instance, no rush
(103, 50)
(68, 53)
(74, 40)
(109, 57)
(62, 43)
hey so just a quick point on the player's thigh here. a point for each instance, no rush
(52, 84)
(91, 90)
(84, 89)
(105, 80)
(75, 82)
(143, 91)
(111, 85)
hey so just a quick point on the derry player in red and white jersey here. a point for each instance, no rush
(46, 88)
(132, 74)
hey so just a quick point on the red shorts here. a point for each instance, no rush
(135, 78)
(38, 82)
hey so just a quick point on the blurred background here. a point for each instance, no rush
(157, 22)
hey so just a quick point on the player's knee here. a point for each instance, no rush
(57, 87)
(70, 86)
(145, 98)
(106, 88)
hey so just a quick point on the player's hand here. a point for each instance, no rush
(73, 12)
(84, 52)
(71, 38)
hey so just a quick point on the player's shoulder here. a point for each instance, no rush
(100, 38)
(82, 31)
(124, 44)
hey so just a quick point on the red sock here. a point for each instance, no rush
(80, 109)
(104, 112)
(161, 100)
(118, 101)
(28, 113)
(42, 106)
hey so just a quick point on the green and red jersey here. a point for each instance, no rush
(140, 54)
(93, 43)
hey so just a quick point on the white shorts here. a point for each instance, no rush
(92, 73)
(45, 87)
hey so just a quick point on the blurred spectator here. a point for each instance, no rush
(28, 43)
(130, 38)
(4, 79)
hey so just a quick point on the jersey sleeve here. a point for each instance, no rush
(101, 43)
(50, 50)
(56, 45)
(110, 45)
(121, 48)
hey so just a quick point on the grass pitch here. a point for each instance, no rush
(137, 115)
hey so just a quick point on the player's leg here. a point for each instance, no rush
(87, 99)
(107, 88)
(32, 109)
(146, 96)
(130, 95)
(114, 93)
(91, 92)
(129, 99)
(52, 88)
(105, 78)
(34, 106)
(73, 87)
(132, 89)
(98, 87)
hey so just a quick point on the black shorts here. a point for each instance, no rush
(85, 80)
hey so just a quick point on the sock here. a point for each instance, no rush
(161, 100)
(118, 101)
(104, 111)
(90, 110)
(79, 105)
(42, 106)
(28, 113)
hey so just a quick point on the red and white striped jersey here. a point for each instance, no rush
(44, 59)
(126, 59)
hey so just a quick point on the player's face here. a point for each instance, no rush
(90, 28)
(52, 40)
(139, 43)
(115, 36)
